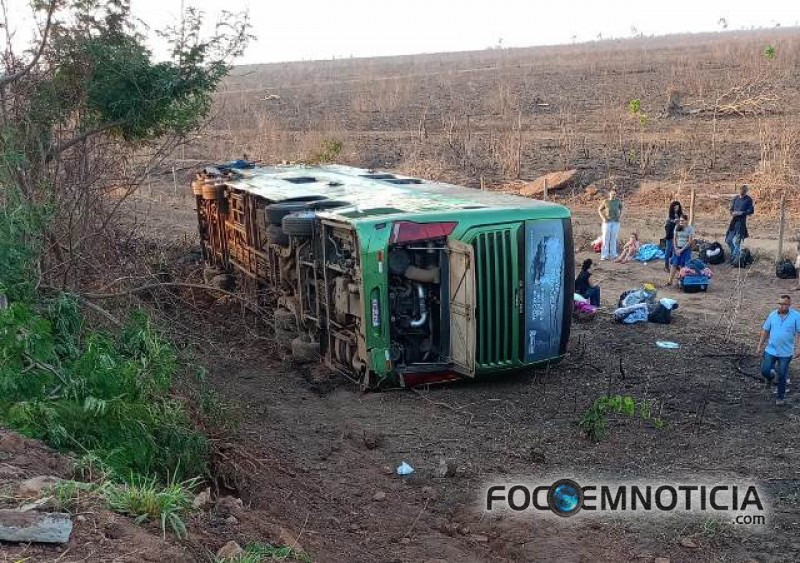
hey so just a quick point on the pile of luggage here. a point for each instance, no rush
(643, 305)
(695, 276)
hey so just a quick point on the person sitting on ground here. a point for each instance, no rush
(778, 336)
(684, 240)
(630, 249)
(584, 285)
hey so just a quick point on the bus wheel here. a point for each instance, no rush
(277, 211)
(298, 225)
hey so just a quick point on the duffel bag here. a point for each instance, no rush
(713, 253)
(785, 270)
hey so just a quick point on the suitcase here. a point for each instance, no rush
(695, 283)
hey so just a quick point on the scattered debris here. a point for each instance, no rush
(36, 527)
(554, 181)
(405, 469)
(479, 538)
(668, 345)
(429, 493)
(379, 496)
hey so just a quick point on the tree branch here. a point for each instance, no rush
(55, 151)
(6, 80)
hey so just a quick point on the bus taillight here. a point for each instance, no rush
(408, 231)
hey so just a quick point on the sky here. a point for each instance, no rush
(291, 30)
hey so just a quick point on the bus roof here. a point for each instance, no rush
(375, 195)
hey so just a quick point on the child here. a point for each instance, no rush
(630, 249)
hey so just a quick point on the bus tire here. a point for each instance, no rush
(303, 351)
(277, 211)
(298, 225)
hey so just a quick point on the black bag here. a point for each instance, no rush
(744, 260)
(785, 270)
(712, 253)
(660, 315)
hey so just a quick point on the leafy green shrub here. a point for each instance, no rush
(770, 52)
(594, 423)
(143, 499)
(92, 393)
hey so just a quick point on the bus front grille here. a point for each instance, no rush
(497, 317)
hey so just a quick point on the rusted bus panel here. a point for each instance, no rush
(212, 236)
(233, 238)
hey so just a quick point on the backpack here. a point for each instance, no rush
(660, 315)
(744, 260)
(785, 270)
(712, 253)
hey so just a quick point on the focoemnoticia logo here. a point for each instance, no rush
(565, 497)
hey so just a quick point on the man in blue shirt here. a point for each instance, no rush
(741, 207)
(779, 332)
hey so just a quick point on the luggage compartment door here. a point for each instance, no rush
(462, 306)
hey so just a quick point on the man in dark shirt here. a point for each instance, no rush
(741, 207)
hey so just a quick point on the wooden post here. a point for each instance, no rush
(174, 183)
(691, 208)
(781, 227)
(545, 189)
(483, 183)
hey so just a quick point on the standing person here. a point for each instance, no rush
(779, 332)
(610, 212)
(741, 207)
(673, 216)
(683, 242)
(584, 285)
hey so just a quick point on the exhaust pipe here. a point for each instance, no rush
(423, 309)
(423, 275)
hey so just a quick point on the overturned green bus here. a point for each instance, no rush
(390, 279)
